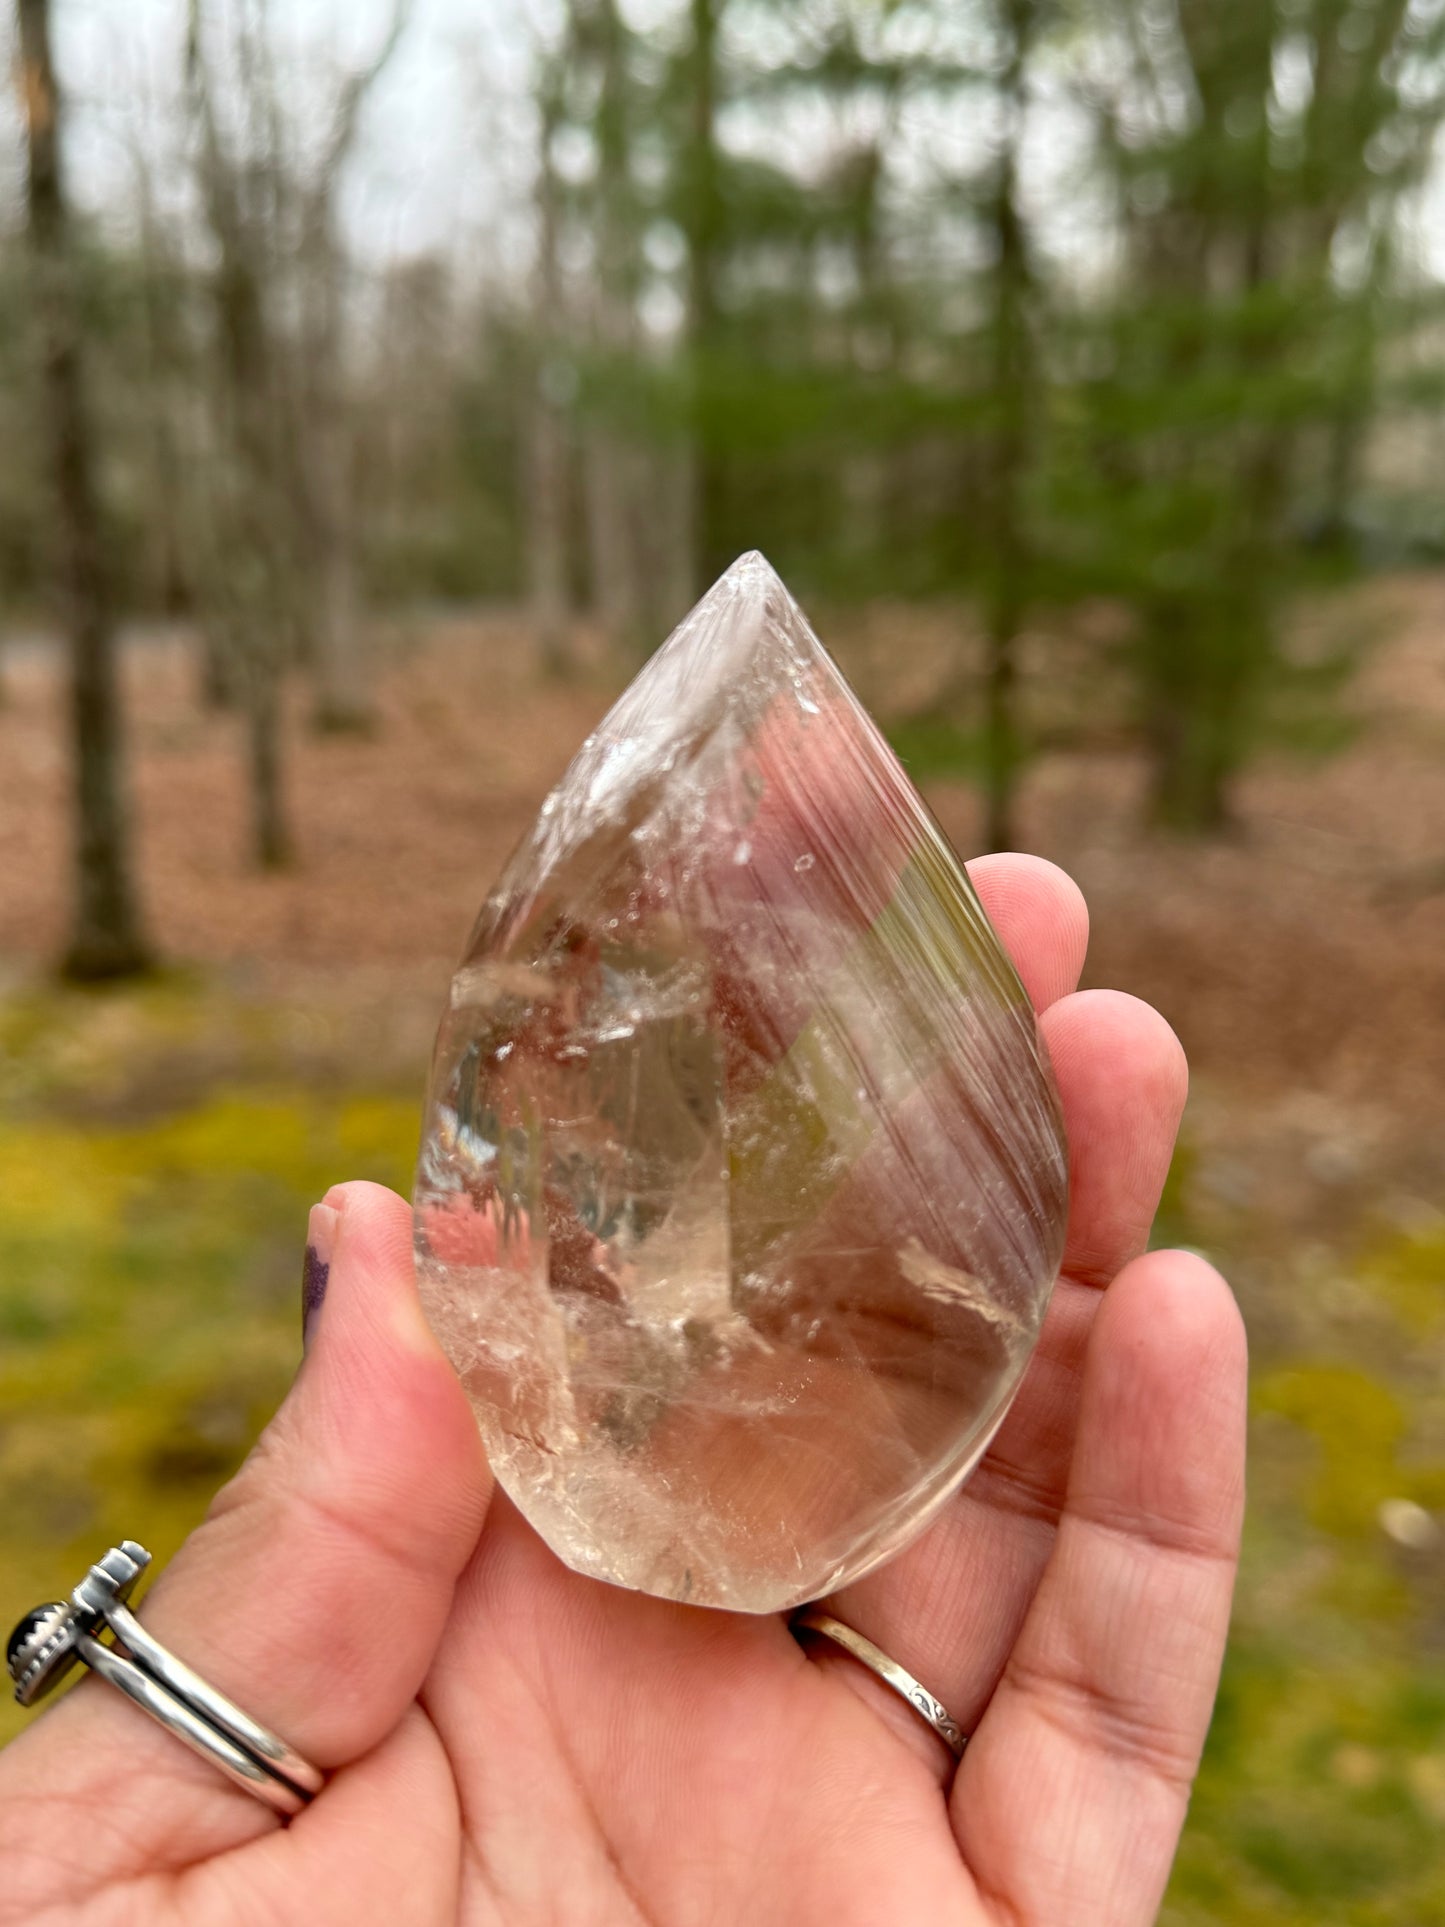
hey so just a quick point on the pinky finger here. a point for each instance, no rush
(1070, 1800)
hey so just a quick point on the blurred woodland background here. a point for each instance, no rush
(379, 384)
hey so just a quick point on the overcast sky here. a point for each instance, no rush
(429, 166)
(446, 143)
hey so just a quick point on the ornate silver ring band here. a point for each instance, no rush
(53, 1638)
(889, 1671)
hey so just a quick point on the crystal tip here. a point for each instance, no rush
(751, 567)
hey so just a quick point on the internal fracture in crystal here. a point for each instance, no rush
(743, 1183)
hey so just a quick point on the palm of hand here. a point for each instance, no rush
(512, 1743)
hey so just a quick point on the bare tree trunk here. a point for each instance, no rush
(1004, 598)
(218, 672)
(343, 694)
(613, 470)
(260, 646)
(106, 939)
(546, 428)
(212, 521)
(666, 548)
(1006, 452)
(863, 476)
(611, 496)
(169, 572)
(675, 571)
(344, 699)
(1191, 727)
(254, 605)
(547, 526)
(704, 249)
(271, 836)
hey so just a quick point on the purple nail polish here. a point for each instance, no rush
(316, 1274)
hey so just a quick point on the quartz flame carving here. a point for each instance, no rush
(743, 1183)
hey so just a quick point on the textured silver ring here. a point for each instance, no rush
(889, 1671)
(53, 1638)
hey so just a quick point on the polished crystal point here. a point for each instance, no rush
(743, 1182)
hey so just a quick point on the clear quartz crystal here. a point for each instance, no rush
(743, 1182)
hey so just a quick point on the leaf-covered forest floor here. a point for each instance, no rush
(159, 1148)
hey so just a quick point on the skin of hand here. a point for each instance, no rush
(509, 1743)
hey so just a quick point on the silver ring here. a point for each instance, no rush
(889, 1671)
(53, 1638)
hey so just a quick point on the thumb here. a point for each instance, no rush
(313, 1595)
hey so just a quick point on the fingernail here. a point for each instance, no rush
(320, 1241)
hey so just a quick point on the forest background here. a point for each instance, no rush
(379, 384)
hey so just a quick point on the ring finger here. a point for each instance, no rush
(950, 1607)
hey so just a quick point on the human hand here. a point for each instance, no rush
(508, 1742)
